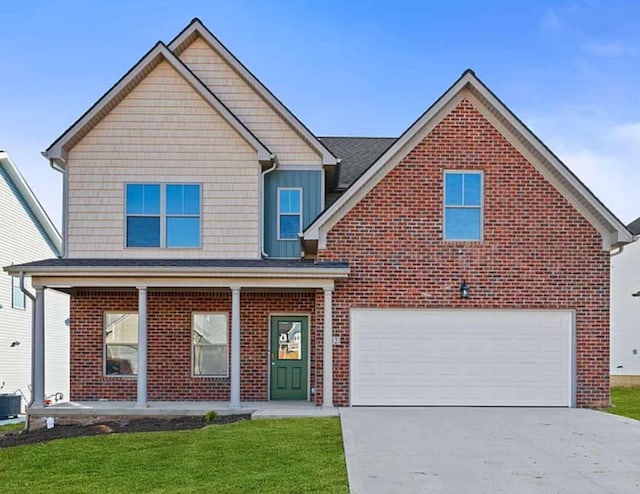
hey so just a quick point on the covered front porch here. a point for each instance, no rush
(164, 295)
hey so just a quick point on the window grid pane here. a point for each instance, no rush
(463, 206)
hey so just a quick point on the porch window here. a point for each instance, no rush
(121, 343)
(18, 300)
(209, 344)
(289, 213)
(163, 215)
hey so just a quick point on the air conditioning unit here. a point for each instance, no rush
(9, 406)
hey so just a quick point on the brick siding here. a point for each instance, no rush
(538, 252)
(169, 341)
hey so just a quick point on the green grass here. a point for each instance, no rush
(626, 402)
(265, 456)
(11, 427)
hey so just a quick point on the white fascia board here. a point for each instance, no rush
(620, 234)
(613, 232)
(32, 201)
(368, 180)
(57, 151)
(178, 272)
(196, 27)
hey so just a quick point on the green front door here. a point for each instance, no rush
(289, 357)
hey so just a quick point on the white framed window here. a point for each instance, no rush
(463, 203)
(120, 343)
(209, 344)
(18, 299)
(289, 212)
(163, 215)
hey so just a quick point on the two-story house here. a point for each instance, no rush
(27, 234)
(216, 249)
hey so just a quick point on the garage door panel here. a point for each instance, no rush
(439, 357)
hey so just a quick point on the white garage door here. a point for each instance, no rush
(461, 357)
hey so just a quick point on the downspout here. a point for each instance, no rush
(33, 337)
(274, 158)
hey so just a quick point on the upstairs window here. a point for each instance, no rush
(463, 205)
(166, 215)
(289, 213)
(18, 300)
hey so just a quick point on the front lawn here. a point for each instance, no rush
(278, 456)
(626, 402)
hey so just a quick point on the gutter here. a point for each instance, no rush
(27, 293)
(274, 158)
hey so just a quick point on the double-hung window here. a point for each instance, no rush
(463, 205)
(289, 213)
(163, 215)
(121, 343)
(18, 300)
(209, 347)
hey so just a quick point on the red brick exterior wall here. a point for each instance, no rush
(169, 341)
(538, 252)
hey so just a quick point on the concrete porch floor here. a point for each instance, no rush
(257, 409)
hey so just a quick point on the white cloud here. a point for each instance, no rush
(550, 20)
(610, 49)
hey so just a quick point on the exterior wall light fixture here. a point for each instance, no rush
(464, 290)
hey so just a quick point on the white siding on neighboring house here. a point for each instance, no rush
(247, 105)
(625, 312)
(163, 132)
(22, 241)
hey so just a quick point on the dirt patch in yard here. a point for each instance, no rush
(143, 424)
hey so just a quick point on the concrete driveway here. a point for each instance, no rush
(492, 450)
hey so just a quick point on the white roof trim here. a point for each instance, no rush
(30, 198)
(56, 153)
(197, 28)
(612, 230)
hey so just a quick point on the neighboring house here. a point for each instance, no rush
(27, 234)
(205, 228)
(625, 313)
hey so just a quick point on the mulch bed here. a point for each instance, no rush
(146, 424)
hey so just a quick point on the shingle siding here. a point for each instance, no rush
(247, 105)
(163, 131)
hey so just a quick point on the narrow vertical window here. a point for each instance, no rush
(18, 300)
(289, 213)
(209, 344)
(143, 215)
(183, 215)
(121, 343)
(463, 206)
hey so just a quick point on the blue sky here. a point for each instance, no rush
(569, 69)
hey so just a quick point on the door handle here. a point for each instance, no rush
(273, 359)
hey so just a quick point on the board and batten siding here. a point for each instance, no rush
(163, 131)
(268, 125)
(22, 240)
(311, 184)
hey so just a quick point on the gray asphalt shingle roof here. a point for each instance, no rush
(634, 226)
(357, 154)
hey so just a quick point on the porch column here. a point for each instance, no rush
(327, 351)
(234, 402)
(142, 347)
(38, 350)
